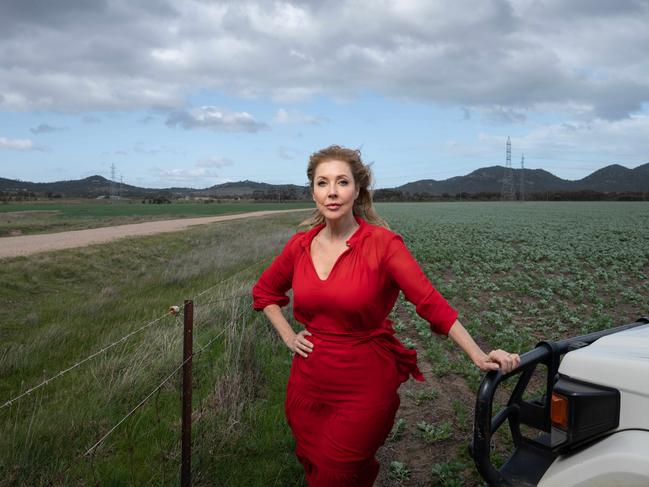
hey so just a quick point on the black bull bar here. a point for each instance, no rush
(532, 456)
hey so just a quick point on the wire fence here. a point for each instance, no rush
(230, 311)
(173, 310)
(150, 395)
(61, 373)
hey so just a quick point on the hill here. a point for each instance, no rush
(610, 179)
(613, 178)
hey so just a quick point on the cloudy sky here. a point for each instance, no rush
(197, 92)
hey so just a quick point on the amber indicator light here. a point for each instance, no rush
(559, 411)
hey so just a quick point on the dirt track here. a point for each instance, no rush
(33, 244)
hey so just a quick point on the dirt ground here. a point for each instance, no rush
(418, 456)
(32, 244)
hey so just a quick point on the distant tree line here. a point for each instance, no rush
(283, 194)
(588, 195)
(157, 200)
(21, 195)
(381, 195)
(387, 195)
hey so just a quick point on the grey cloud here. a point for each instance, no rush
(500, 114)
(18, 14)
(578, 9)
(46, 129)
(216, 119)
(617, 103)
(517, 55)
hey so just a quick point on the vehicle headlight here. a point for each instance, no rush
(581, 412)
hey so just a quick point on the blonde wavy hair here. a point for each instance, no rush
(363, 205)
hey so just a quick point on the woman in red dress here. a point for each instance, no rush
(346, 273)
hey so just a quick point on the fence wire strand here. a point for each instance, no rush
(80, 362)
(129, 335)
(91, 452)
(254, 264)
(157, 388)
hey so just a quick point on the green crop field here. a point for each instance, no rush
(31, 218)
(517, 273)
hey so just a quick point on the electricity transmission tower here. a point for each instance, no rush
(507, 193)
(112, 181)
(522, 177)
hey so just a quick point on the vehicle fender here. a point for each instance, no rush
(619, 459)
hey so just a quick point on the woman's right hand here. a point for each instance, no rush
(300, 345)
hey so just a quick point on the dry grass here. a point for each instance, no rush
(69, 304)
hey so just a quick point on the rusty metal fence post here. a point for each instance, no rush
(186, 465)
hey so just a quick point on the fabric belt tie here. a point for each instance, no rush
(383, 337)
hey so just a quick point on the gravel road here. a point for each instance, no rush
(33, 244)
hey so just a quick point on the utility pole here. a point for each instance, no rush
(112, 182)
(507, 193)
(522, 177)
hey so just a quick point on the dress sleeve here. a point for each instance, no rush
(406, 273)
(276, 280)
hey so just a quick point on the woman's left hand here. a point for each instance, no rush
(499, 359)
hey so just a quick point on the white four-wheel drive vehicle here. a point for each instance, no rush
(589, 428)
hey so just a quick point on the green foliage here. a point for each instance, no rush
(448, 474)
(399, 471)
(398, 430)
(399, 325)
(409, 343)
(461, 414)
(519, 273)
(438, 357)
(419, 397)
(466, 369)
(432, 433)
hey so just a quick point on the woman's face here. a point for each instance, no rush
(334, 190)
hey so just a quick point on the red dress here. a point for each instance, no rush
(341, 400)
